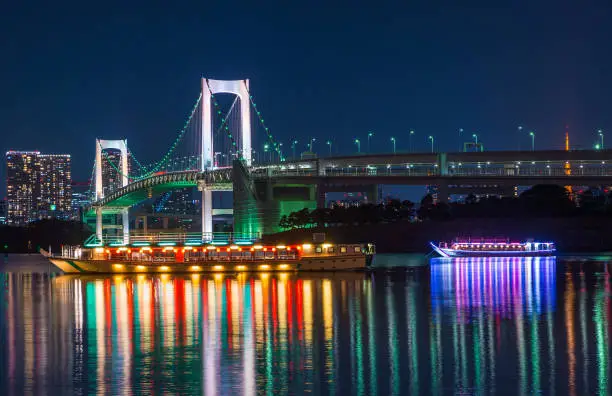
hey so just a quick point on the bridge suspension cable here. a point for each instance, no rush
(157, 165)
(275, 145)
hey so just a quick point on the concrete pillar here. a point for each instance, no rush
(376, 193)
(321, 196)
(165, 223)
(207, 223)
(99, 224)
(442, 164)
(125, 222)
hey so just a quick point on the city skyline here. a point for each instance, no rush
(487, 80)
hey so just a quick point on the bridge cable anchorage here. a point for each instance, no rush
(157, 165)
(274, 144)
(224, 119)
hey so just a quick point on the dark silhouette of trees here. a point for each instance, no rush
(542, 200)
(391, 211)
(547, 199)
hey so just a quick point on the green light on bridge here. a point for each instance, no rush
(166, 244)
(193, 243)
(117, 244)
(141, 244)
(90, 245)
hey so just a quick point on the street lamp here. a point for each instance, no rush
(370, 134)
(266, 147)
(358, 143)
(393, 140)
(295, 142)
(410, 140)
(532, 140)
(312, 140)
(329, 143)
(520, 131)
(600, 132)
(475, 138)
(432, 142)
(461, 144)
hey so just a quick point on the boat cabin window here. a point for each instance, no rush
(331, 250)
(357, 249)
(343, 249)
(318, 249)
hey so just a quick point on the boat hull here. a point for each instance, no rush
(487, 253)
(330, 263)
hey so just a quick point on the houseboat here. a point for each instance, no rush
(493, 248)
(170, 257)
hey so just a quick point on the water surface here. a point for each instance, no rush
(469, 326)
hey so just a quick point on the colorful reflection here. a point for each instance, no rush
(470, 326)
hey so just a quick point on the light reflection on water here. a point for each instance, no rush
(493, 326)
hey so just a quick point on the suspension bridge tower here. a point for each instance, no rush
(239, 88)
(121, 146)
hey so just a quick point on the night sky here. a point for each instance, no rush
(72, 72)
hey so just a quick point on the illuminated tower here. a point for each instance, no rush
(21, 186)
(54, 186)
(568, 166)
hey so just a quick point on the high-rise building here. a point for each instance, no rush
(3, 209)
(21, 186)
(54, 180)
(38, 186)
(81, 197)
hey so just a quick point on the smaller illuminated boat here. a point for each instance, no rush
(493, 248)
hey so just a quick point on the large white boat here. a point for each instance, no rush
(493, 248)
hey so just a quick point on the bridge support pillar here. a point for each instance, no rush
(99, 224)
(207, 221)
(125, 222)
(321, 196)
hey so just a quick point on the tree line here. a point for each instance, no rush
(539, 201)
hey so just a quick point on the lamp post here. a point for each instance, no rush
(475, 138)
(329, 143)
(393, 141)
(295, 142)
(600, 132)
(410, 140)
(432, 142)
(532, 134)
(370, 134)
(520, 130)
(460, 143)
(266, 147)
(280, 152)
(312, 140)
(358, 143)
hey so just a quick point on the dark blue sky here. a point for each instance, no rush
(72, 72)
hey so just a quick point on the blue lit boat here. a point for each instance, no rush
(493, 248)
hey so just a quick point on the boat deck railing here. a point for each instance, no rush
(171, 239)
